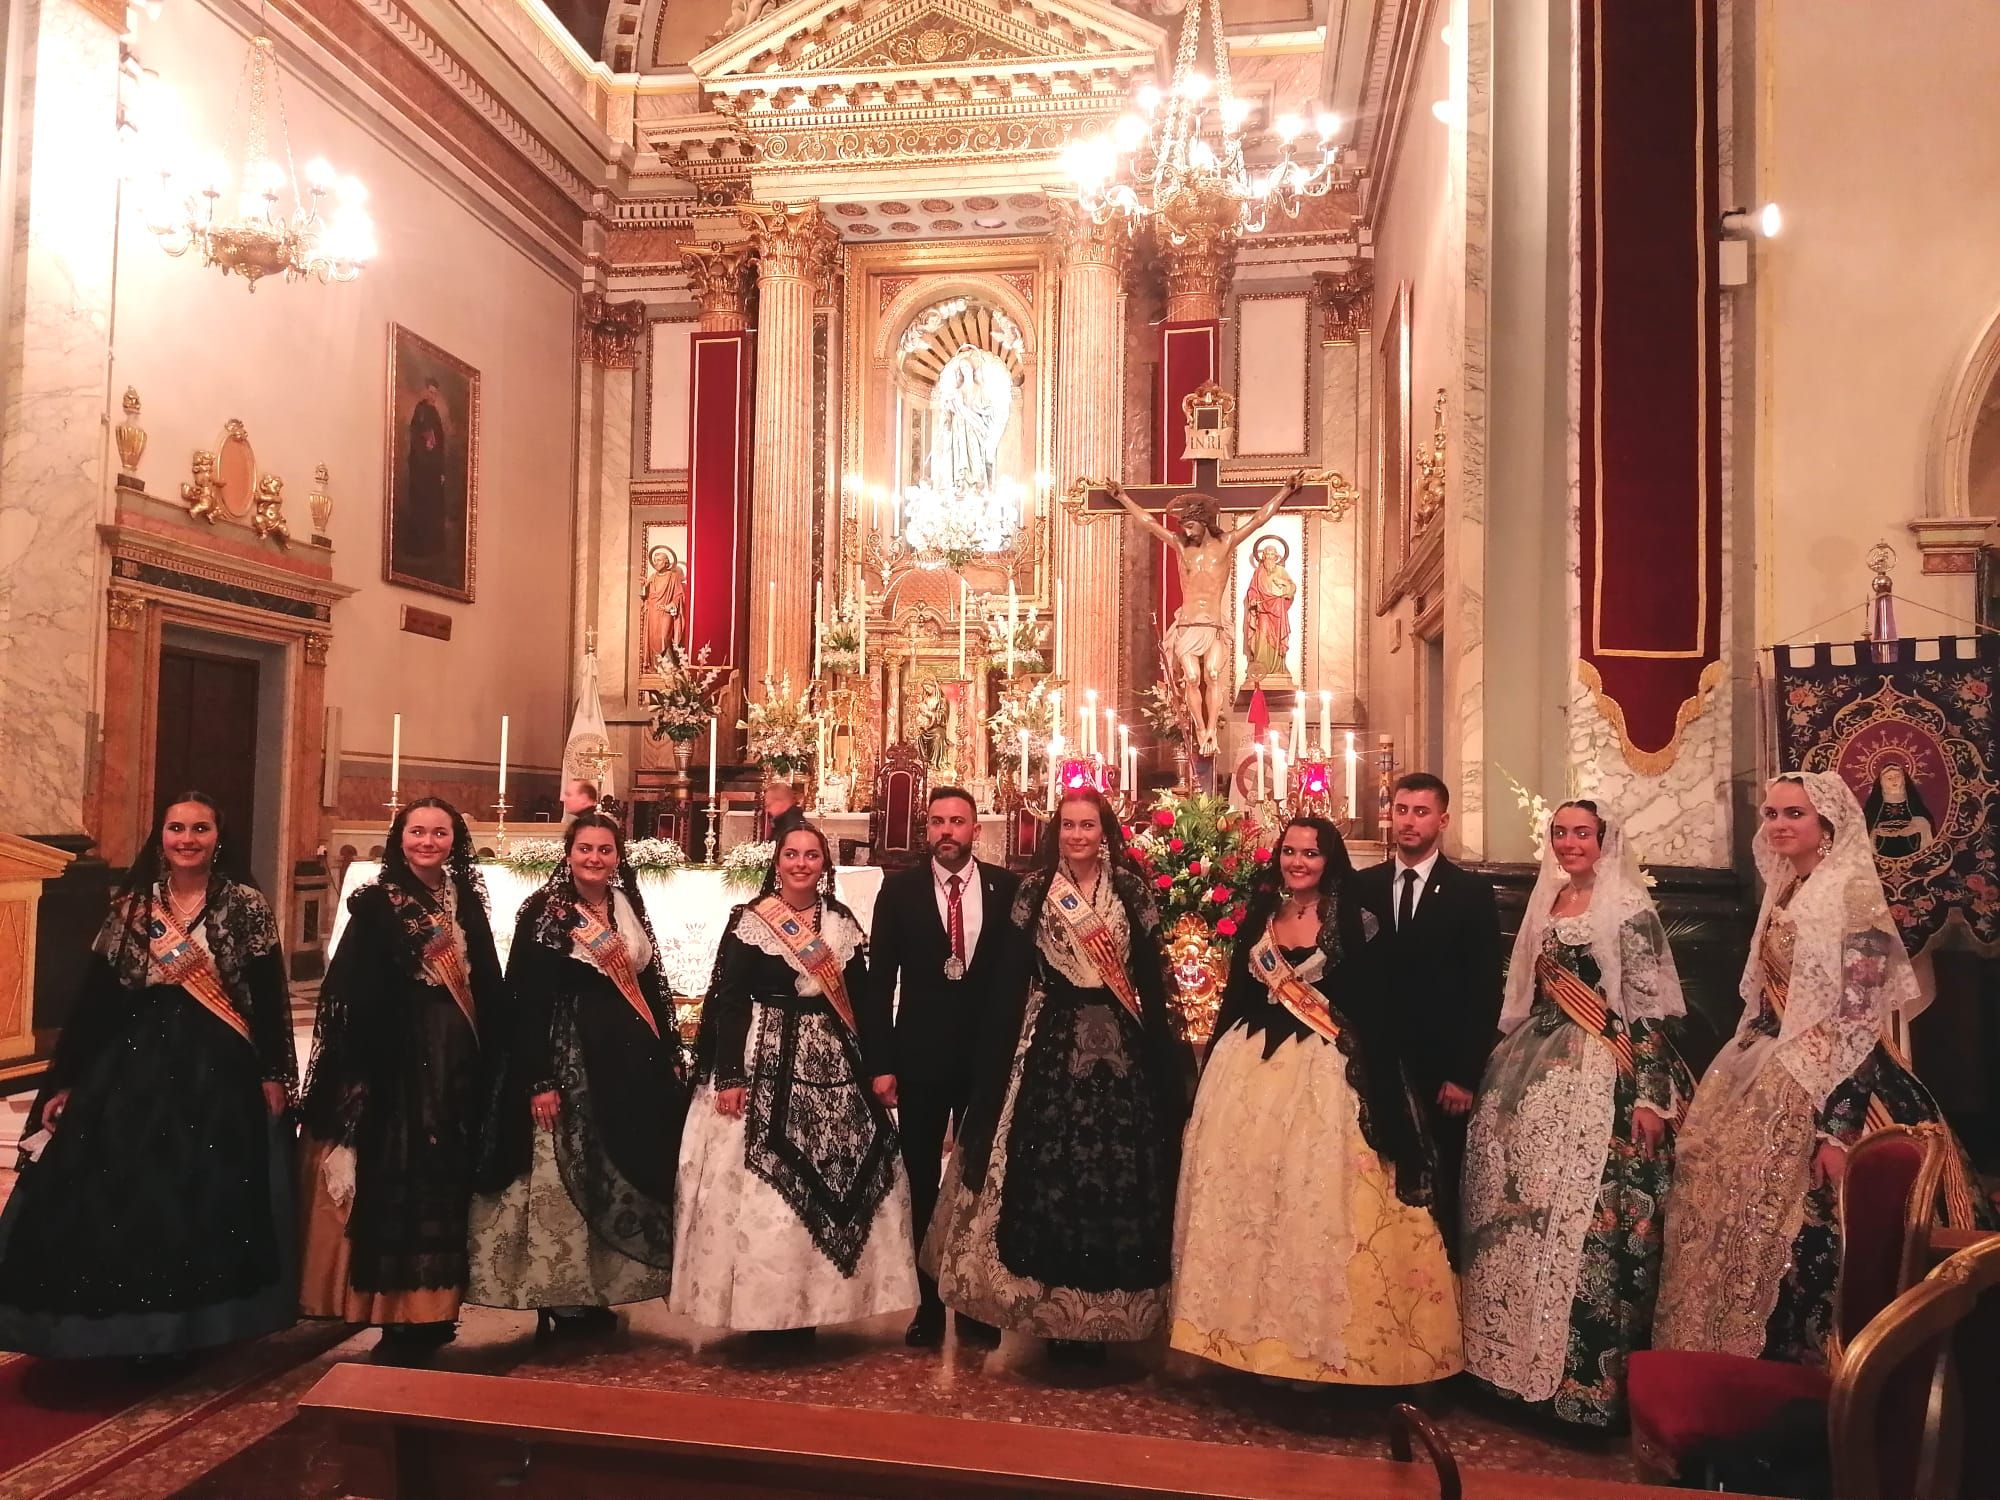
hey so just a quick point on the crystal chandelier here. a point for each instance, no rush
(948, 531)
(1178, 156)
(193, 210)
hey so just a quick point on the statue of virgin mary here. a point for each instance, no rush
(971, 400)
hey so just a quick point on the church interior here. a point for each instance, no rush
(1226, 408)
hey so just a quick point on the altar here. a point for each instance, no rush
(687, 908)
(839, 828)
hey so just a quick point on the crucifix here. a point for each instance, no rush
(1197, 639)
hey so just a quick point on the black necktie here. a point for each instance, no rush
(1407, 906)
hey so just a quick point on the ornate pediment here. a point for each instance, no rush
(937, 35)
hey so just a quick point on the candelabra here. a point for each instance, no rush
(714, 823)
(500, 827)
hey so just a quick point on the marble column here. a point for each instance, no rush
(795, 251)
(608, 338)
(1090, 345)
(719, 275)
(1340, 616)
(60, 208)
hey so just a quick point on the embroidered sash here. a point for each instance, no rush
(610, 957)
(443, 966)
(1298, 996)
(811, 953)
(1093, 935)
(1585, 1006)
(179, 959)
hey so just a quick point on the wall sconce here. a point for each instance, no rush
(1739, 227)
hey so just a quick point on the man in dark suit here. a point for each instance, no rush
(1444, 962)
(941, 928)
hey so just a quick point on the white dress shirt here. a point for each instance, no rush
(971, 909)
(1423, 869)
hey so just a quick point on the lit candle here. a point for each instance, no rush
(503, 757)
(1013, 616)
(964, 596)
(1277, 765)
(1257, 749)
(1087, 740)
(1353, 787)
(1110, 724)
(1298, 736)
(771, 635)
(1055, 767)
(1326, 723)
(713, 720)
(1124, 756)
(395, 756)
(1024, 763)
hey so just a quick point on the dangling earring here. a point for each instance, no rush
(1825, 845)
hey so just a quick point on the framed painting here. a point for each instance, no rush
(431, 448)
(1392, 439)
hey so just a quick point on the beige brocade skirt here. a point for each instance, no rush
(324, 1288)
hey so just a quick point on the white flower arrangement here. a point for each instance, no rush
(1029, 708)
(782, 728)
(748, 864)
(655, 854)
(840, 647)
(533, 856)
(1539, 811)
(682, 705)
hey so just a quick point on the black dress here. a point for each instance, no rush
(158, 1216)
(398, 1076)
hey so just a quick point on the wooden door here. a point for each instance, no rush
(206, 739)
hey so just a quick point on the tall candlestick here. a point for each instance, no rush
(1298, 736)
(1257, 749)
(1277, 765)
(1013, 619)
(1110, 726)
(1124, 752)
(1326, 723)
(771, 635)
(819, 628)
(395, 756)
(503, 757)
(964, 594)
(1087, 741)
(861, 639)
(713, 720)
(1055, 767)
(1024, 763)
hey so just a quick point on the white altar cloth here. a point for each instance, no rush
(687, 907)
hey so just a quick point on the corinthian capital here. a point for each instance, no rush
(1084, 241)
(608, 333)
(793, 240)
(1346, 301)
(1197, 270)
(719, 274)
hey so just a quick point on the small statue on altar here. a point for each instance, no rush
(931, 727)
(834, 793)
(1267, 616)
(1198, 639)
(663, 605)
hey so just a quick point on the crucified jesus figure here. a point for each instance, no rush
(1198, 639)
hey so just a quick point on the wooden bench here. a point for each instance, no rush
(429, 1433)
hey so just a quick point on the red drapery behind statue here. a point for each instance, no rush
(720, 395)
(1189, 356)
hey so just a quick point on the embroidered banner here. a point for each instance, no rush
(1649, 437)
(720, 399)
(1914, 739)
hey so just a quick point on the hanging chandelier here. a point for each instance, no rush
(1178, 158)
(238, 218)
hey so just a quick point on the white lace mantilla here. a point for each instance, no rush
(842, 933)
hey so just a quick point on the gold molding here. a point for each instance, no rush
(1346, 300)
(315, 647)
(793, 240)
(1428, 498)
(1305, 453)
(608, 332)
(719, 274)
(123, 609)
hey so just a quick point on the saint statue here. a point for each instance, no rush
(931, 729)
(1897, 817)
(663, 607)
(1267, 614)
(1198, 639)
(971, 399)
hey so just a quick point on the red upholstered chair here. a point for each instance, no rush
(1909, 1381)
(896, 820)
(1684, 1400)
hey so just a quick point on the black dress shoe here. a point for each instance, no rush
(975, 1333)
(1075, 1352)
(926, 1330)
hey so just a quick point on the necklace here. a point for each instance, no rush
(1296, 907)
(185, 907)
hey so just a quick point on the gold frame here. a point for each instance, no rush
(392, 420)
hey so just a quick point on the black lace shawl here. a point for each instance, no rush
(397, 1074)
(1168, 1061)
(242, 939)
(624, 1098)
(1355, 984)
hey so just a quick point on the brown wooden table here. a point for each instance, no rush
(429, 1433)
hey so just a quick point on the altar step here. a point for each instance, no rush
(441, 1433)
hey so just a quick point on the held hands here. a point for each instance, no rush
(543, 1107)
(52, 1112)
(730, 1102)
(1649, 1131)
(884, 1085)
(1454, 1100)
(1829, 1165)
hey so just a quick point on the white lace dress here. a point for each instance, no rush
(796, 1212)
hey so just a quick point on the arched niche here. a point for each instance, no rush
(1965, 473)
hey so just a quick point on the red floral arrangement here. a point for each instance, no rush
(1200, 859)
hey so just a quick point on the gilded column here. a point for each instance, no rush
(1090, 343)
(1198, 271)
(795, 249)
(719, 276)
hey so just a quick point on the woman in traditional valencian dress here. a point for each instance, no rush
(793, 1209)
(153, 1215)
(392, 1102)
(1570, 1151)
(1306, 1244)
(1753, 1245)
(576, 1212)
(1056, 1217)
